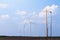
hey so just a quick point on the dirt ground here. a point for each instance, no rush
(29, 38)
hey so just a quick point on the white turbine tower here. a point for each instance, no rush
(50, 24)
(31, 23)
(24, 28)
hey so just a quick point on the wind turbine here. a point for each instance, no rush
(27, 22)
(31, 23)
(24, 28)
(30, 26)
(50, 24)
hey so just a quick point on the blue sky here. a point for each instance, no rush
(15, 14)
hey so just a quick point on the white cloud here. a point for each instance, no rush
(49, 8)
(3, 5)
(4, 17)
(37, 17)
(40, 17)
(21, 12)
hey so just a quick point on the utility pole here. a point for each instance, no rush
(46, 24)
